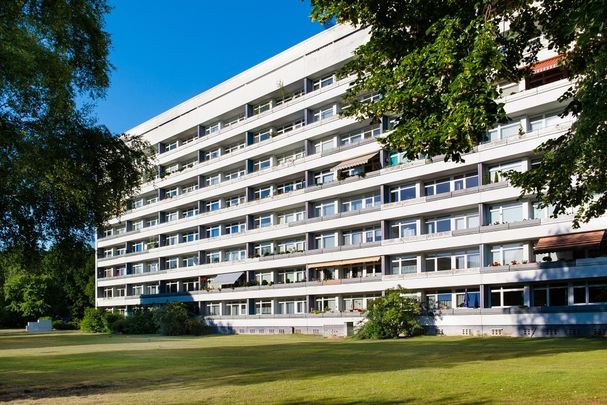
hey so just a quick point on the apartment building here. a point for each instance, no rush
(271, 213)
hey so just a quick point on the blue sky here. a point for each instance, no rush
(166, 52)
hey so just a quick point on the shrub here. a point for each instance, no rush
(171, 318)
(119, 326)
(195, 327)
(390, 316)
(62, 325)
(141, 322)
(95, 321)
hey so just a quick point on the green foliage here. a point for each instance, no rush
(62, 325)
(196, 327)
(437, 65)
(391, 316)
(141, 321)
(171, 318)
(95, 320)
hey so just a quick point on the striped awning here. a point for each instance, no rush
(372, 259)
(546, 64)
(355, 162)
(569, 241)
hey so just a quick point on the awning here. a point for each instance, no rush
(227, 278)
(569, 241)
(335, 263)
(546, 64)
(355, 162)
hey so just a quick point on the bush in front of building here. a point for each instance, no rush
(171, 318)
(140, 322)
(391, 316)
(63, 325)
(95, 320)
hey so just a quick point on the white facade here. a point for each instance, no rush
(304, 219)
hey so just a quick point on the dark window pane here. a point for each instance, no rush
(540, 298)
(512, 298)
(579, 295)
(558, 296)
(495, 299)
(444, 263)
(597, 294)
(442, 188)
(471, 181)
(443, 225)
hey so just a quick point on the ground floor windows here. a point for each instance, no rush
(508, 296)
(297, 306)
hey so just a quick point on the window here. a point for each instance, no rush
(325, 176)
(137, 290)
(190, 212)
(551, 295)
(325, 304)
(504, 131)
(232, 121)
(289, 127)
(213, 205)
(189, 236)
(296, 306)
(438, 187)
(465, 181)
(545, 120)
(108, 293)
(138, 247)
(263, 107)
(324, 113)
(212, 129)
(290, 186)
(467, 298)
(360, 236)
(190, 286)
(291, 276)
(466, 221)
(172, 216)
(439, 299)
(236, 227)
(357, 136)
(189, 164)
(404, 265)
(262, 164)
(234, 175)
(506, 213)
(151, 222)
(289, 157)
(189, 261)
(171, 287)
(233, 148)
(171, 262)
(264, 277)
(507, 254)
(262, 135)
(325, 209)
(263, 307)
(323, 82)
(213, 257)
(507, 296)
(404, 228)
(189, 140)
(170, 146)
(290, 246)
(236, 255)
(137, 268)
(120, 251)
(360, 203)
(171, 192)
(213, 308)
(138, 203)
(152, 267)
(174, 168)
(326, 240)
(438, 262)
(469, 259)
(171, 240)
(262, 221)
(496, 173)
(234, 201)
(436, 225)
(542, 213)
(263, 192)
(264, 249)
(236, 308)
(288, 98)
(151, 289)
(137, 226)
(324, 145)
(402, 193)
(212, 154)
(212, 180)
(151, 200)
(213, 231)
(288, 217)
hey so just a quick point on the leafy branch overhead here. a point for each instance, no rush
(438, 65)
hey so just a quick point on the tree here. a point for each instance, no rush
(61, 174)
(391, 316)
(437, 65)
(171, 318)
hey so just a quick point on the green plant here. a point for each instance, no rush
(94, 321)
(62, 325)
(196, 327)
(141, 321)
(391, 316)
(171, 318)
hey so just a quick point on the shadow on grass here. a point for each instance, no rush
(131, 371)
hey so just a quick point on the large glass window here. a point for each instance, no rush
(506, 213)
(359, 236)
(360, 203)
(436, 225)
(507, 296)
(402, 193)
(326, 240)
(507, 254)
(325, 176)
(323, 82)
(325, 209)
(404, 265)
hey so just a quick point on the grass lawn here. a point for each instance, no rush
(81, 368)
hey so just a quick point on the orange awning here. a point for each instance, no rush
(569, 241)
(546, 64)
